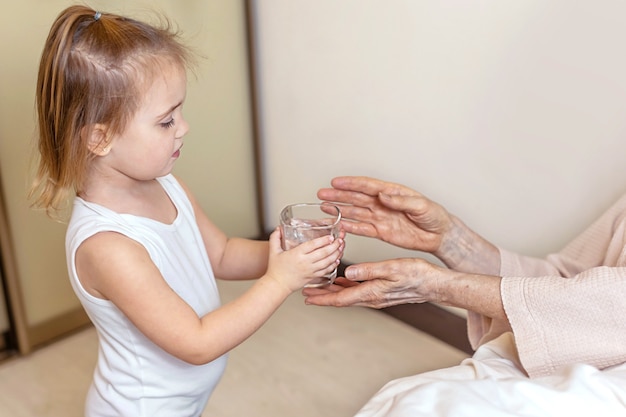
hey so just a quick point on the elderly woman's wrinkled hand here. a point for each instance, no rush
(390, 212)
(380, 285)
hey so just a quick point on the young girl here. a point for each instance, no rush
(141, 254)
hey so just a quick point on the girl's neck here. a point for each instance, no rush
(140, 198)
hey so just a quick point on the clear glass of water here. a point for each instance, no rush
(306, 221)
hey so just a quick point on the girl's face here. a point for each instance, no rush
(151, 143)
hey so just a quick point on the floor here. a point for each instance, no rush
(306, 362)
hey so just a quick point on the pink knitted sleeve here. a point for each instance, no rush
(569, 307)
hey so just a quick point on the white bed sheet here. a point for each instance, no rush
(493, 384)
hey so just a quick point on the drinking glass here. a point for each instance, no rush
(306, 221)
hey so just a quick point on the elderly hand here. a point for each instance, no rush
(380, 284)
(410, 280)
(390, 212)
(398, 215)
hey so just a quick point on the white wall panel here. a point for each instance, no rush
(510, 113)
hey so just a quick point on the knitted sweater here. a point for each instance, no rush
(569, 307)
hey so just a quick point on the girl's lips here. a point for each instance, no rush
(177, 153)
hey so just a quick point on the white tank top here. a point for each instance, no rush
(133, 376)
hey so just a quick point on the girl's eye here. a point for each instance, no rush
(167, 125)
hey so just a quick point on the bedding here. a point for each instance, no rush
(492, 383)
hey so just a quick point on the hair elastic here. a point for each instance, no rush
(96, 17)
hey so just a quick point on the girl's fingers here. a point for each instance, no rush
(322, 246)
(329, 261)
(323, 254)
(325, 259)
(274, 241)
(317, 243)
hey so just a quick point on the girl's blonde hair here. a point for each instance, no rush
(94, 69)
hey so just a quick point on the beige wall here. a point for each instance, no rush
(217, 160)
(510, 113)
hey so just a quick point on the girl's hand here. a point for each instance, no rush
(313, 259)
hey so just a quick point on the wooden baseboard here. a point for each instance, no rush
(56, 327)
(436, 321)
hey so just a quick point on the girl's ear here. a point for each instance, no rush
(97, 140)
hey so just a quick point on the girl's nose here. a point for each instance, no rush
(182, 128)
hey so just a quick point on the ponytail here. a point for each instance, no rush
(94, 68)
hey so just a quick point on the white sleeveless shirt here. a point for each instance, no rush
(133, 376)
